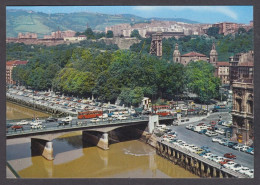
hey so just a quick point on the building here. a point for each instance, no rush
(243, 111)
(226, 27)
(188, 57)
(223, 72)
(27, 36)
(241, 80)
(241, 66)
(9, 68)
(194, 56)
(75, 39)
(146, 103)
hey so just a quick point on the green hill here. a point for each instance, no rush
(43, 24)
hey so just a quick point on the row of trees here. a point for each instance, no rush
(113, 74)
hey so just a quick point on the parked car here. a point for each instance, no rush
(229, 164)
(225, 161)
(244, 170)
(206, 148)
(216, 139)
(236, 167)
(220, 131)
(203, 131)
(231, 144)
(17, 127)
(245, 148)
(230, 156)
(222, 141)
(238, 147)
(250, 173)
(211, 133)
(8, 125)
(94, 120)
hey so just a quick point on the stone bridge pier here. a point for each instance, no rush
(42, 147)
(96, 138)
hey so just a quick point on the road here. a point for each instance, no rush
(199, 140)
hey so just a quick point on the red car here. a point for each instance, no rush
(200, 124)
(213, 123)
(230, 156)
(15, 127)
(225, 161)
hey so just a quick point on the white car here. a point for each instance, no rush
(207, 155)
(236, 167)
(210, 133)
(103, 116)
(244, 170)
(220, 131)
(216, 139)
(67, 119)
(121, 117)
(218, 159)
(36, 125)
(250, 173)
(94, 120)
(238, 147)
(244, 148)
(229, 164)
(22, 122)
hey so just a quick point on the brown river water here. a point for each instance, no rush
(73, 159)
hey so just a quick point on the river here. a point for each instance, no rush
(74, 159)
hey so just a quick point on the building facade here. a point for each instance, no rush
(223, 72)
(243, 111)
(9, 68)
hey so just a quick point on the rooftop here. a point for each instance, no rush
(193, 54)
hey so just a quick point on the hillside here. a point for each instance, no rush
(43, 24)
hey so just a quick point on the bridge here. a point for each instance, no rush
(98, 134)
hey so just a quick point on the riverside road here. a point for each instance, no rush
(199, 140)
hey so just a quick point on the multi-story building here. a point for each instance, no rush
(241, 66)
(9, 68)
(243, 111)
(241, 80)
(226, 27)
(223, 72)
(27, 36)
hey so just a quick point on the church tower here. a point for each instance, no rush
(213, 58)
(176, 54)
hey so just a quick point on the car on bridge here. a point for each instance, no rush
(62, 123)
(67, 119)
(17, 127)
(51, 119)
(23, 122)
(36, 125)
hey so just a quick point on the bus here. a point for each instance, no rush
(89, 114)
(163, 112)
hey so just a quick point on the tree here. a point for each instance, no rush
(213, 31)
(109, 34)
(135, 33)
(89, 33)
(200, 80)
(241, 30)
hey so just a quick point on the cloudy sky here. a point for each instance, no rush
(203, 14)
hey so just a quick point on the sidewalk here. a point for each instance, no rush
(9, 174)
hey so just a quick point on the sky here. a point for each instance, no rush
(202, 14)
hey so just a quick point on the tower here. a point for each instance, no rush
(156, 44)
(213, 58)
(176, 54)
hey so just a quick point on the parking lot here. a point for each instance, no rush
(200, 140)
